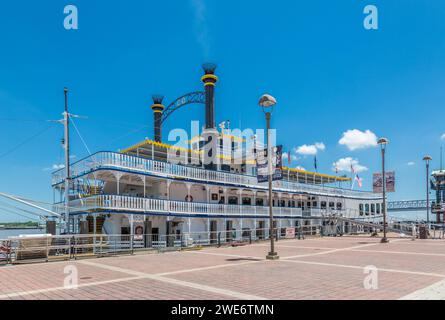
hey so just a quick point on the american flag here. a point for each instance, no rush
(359, 181)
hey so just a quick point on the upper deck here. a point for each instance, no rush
(137, 165)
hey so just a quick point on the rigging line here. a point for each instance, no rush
(19, 214)
(80, 136)
(25, 142)
(22, 120)
(20, 209)
(124, 135)
(58, 205)
(118, 123)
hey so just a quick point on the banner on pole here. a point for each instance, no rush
(263, 165)
(377, 182)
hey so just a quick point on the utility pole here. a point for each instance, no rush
(66, 123)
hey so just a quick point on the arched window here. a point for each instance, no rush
(367, 209)
(360, 209)
(378, 208)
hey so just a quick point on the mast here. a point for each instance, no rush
(66, 124)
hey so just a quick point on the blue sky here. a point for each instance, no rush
(329, 74)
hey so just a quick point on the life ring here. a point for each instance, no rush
(189, 198)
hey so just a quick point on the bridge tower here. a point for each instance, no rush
(438, 184)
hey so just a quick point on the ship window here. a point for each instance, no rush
(323, 204)
(233, 200)
(247, 201)
(360, 209)
(308, 204)
(283, 203)
(372, 208)
(339, 205)
(378, 208)
(314, 204)
(299, 204)
(367, 209)
(331, 205)
(259, 202)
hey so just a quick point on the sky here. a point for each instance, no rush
(338, 85)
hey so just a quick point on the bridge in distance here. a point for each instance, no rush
(407, 205)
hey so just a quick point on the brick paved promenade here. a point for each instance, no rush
(328, 268)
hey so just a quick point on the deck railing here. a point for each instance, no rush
(137, 205)
(112, 160)
(144, 205)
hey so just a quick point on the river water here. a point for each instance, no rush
(4, 234)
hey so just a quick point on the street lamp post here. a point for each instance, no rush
(427, 160)
(267, 101)
(383, 142)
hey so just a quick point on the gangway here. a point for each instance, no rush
(372, 223)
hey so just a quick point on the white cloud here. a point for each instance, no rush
(345, 164)
(411, 163)
(300, 168)
(310, 150)
(356, 139)
(320, 146)
(442, 137)
(54, 167)
(292, 156)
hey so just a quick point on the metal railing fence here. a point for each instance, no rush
(66, 247)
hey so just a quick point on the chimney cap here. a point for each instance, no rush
(209, 68)
(157, 98)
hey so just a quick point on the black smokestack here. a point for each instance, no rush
(210, 80)
(158, 109)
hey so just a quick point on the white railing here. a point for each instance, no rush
(111, 160)
(133, 204)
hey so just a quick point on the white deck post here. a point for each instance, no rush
(145, 185)
(94, 232)
(131, 231)
(208, 229)
(168, 189)
(240, 192)
(118, 179)
(254, 202)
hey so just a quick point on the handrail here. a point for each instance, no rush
(145, 205)
(116, 202)
(116, 160)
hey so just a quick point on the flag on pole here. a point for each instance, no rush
(359, 181)
(289, 158)
(315, 163)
